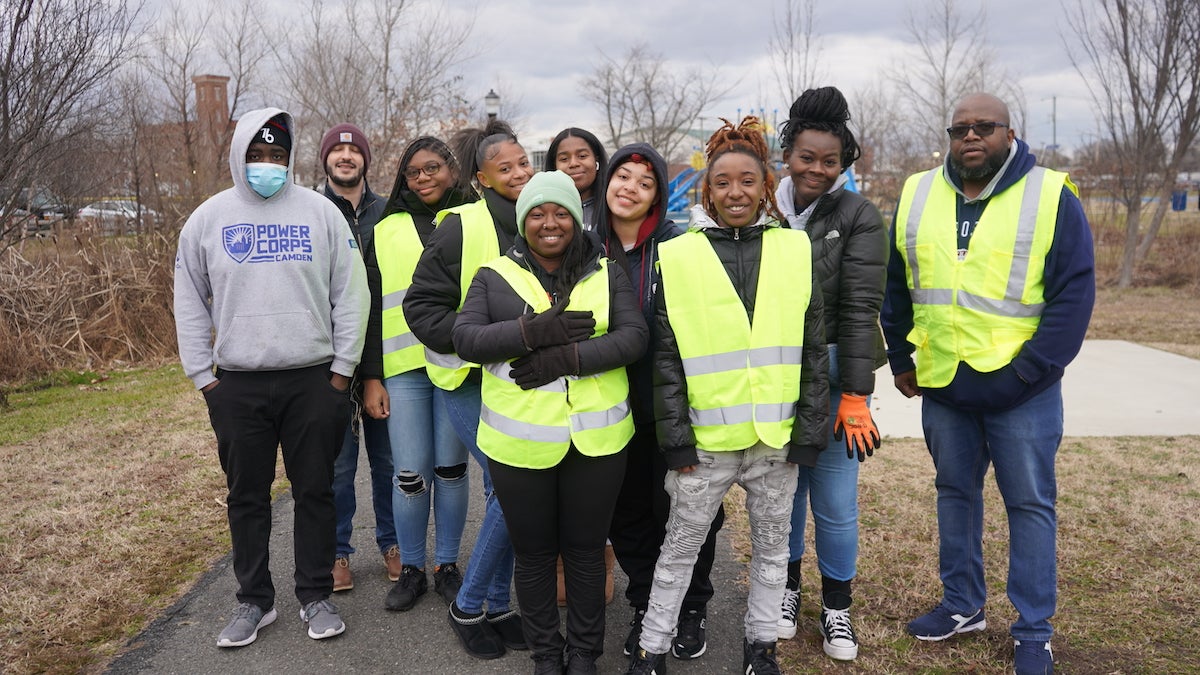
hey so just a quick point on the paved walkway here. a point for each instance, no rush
(1113, 388)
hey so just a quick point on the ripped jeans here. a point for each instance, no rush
(770, 484)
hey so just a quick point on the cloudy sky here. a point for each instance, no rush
(539, 51)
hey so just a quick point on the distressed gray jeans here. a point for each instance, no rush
(770, 484)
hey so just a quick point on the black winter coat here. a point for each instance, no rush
(850, 252)
(740, 252)
(431, 302)
(487, 330)
(362, 222)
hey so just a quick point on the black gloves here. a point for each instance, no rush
(555, 327)
(546, 365)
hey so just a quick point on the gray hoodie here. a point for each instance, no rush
(267, 284)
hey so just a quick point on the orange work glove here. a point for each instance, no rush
(854, 420)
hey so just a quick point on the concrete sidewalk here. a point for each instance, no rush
(1114, 388)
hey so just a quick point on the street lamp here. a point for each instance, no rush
(491, 104)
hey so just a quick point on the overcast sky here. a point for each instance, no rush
(539, 51)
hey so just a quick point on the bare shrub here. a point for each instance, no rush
(85, 302)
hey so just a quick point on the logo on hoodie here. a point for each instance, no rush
(267, 242)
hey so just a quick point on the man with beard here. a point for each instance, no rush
(346, 156)
(990, 289)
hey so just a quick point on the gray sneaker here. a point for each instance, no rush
(243, 629)
(322, 619)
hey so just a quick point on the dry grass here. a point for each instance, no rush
(85, 302)
(113, 507)
(1129, 527)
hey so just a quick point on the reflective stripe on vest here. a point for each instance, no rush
(743, 379)
(397, 249)
(983, 308)
(479, 245)
(534, 429)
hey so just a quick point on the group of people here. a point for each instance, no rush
(613, 373)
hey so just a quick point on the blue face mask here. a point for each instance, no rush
(266, 178)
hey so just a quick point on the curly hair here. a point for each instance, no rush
(747, 138)
(822, 109)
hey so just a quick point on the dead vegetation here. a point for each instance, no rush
(85, 302)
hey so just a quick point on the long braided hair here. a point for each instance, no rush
(823, 109)
(748, 139)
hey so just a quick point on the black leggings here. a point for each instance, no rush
(564, 510)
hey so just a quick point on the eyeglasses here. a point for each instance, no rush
(430, 169)
(981, 129)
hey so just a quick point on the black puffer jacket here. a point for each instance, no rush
(850, 252)
(740, 251)
(487, 330)
(433, 298)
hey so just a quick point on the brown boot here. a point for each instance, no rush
(342, 579)
(391, 559)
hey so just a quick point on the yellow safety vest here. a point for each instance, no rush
(479, 245)
(982, 309)
(743, 379)
(398, 248)
(534, 429)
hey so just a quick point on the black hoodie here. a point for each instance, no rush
(639, 265)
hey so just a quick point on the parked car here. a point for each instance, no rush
(35, 209)
(114, 215)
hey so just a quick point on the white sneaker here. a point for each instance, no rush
(840, 642)
(787, 620)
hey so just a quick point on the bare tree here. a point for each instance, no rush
(175, 57)
(643, 98)
(55, 58)
(242, 51)
(395, 75)
(794, 48)
(1144, 56)
(955, 60)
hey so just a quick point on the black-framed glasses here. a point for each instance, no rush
(429, 169)
(981, 129)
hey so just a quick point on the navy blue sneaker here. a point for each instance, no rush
(941, 623)
(1031, 657)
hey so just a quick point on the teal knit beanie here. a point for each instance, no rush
(554, 187)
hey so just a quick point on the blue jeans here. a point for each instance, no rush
(379, 455)
(426, 453)
(769, 482)
(831, 487)
(1021, 444)
(489, 576)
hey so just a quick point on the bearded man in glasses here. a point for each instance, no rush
(990, 289)
(346, 156)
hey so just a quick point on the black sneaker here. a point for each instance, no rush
(446, 581)
(840, 642)
(475, 634)
(647, 663)
(635, 630)
(404, 593)
(508, 626)
(758, 658)
(580, 662)
(689, 635)
(787, 618)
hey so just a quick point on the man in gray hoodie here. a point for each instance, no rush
(271, 306)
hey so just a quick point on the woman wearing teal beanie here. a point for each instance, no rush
(554, 325)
